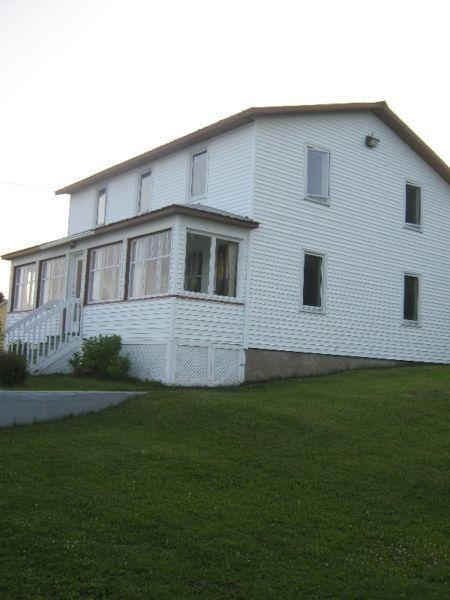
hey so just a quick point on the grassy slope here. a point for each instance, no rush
(333, 487)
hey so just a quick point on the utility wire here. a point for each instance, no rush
(30, 185)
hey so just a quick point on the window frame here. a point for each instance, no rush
(35, 291)
(97, 204)
(212, 266)
(413, 226)
(192, 154)
(87, 301)
(318, 310)
(141, 175)
(39, 282)
(324, 200)
(128, 265)
(410, 322)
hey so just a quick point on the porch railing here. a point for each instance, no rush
(45, 332)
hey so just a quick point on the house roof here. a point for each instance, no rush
(200, 211)
(380, 109)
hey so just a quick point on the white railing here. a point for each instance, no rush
(45, 332)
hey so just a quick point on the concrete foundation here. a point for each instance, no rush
(273, 364)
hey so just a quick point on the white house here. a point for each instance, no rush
(279, 241)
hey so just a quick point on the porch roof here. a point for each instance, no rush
(200, 211)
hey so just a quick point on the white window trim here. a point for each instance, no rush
(128, 268)
(412, 226)
(97, 198)
(407, 322)
(192, 153)
(149, 171)
(238, 299)
(316, 310)
(324, 200)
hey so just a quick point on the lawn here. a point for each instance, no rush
(330, 487)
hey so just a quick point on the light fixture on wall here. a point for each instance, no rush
(371, 141)
(72, 245)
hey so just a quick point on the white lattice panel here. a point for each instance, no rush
(192, 365)
(61, 363)
(227, 366)
(148, 361)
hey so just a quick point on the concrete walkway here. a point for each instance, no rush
(28, 407)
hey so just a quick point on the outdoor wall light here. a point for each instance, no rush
(371, 141)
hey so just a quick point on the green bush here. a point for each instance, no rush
(13, 368)
(100, 357)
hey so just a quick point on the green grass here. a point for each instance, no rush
(331, 487)
(68, 382)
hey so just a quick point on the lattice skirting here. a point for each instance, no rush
(148, 361)
(208, 364)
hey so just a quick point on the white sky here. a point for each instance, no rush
(88, 83)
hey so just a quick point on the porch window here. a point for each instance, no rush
(104, 273)
(53, 274)
(199, 173)
(206, 276)
(149, 265)
(24, 287)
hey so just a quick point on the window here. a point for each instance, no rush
(149, 265)
(145, 186)
(198, 173)
(24, 287)
(198, 252)
(413, 207)
(312, 280)
(411, 298)
(104, 273)
(318, 174)
(53, 274)
(197, 274)
(226, 267)
(101, 207)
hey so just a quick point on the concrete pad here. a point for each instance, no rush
(18, 407)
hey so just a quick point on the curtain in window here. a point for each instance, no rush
(53, 276)
(150, 265)
(24, 287)
(318, 173)
(104, 273)
(226, 267)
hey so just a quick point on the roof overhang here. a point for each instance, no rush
(380, 109)
(198, 211)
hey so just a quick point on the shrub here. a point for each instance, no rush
(13, 368)
(100, 357)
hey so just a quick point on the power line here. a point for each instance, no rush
(30, 185)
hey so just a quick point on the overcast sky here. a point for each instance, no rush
(88, 83)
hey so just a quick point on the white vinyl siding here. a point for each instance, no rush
(24, 287)
(229, 184)
(149, 265)
(53, 278)
(367, 251)
(104, 273)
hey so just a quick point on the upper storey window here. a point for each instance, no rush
(199, 170)
(145, 190)
(101, 207)
(318, 173)
(413, 206)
